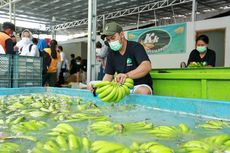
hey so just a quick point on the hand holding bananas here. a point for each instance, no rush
(113, 91)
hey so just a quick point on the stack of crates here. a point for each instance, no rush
(5, 71)
(27, 71)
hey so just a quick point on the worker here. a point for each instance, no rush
(128, 59)
(202, 54)
(5, 37)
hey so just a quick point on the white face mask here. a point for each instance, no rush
(26, 40)
(78, 63)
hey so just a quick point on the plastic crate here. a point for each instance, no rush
(27, 71)
(5, 71)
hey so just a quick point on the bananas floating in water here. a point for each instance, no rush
(214, 124)
(109, 128)
(170, 131)
(219, 143)
(112, 91)
(150, 147)
(64, 143)
(108, 147)
(31, 125)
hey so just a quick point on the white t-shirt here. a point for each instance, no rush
(26, 52)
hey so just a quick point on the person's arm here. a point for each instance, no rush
(191, 58)
(9, 46)
(142, 70)
(108, 77)
(212, 60)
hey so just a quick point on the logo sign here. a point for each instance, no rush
(155, 41)
(170, 39)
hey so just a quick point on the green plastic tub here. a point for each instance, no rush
(208, 83)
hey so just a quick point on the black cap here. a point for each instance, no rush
(8, 25)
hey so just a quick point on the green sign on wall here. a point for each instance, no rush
(170, 39)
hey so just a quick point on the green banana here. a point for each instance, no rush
(127, 90)
(51, 147)
(214, 124)
(18, 120)
(73, 142)
(101, 89)
(111, 95)
(101, 84)
(129, 80)
(66, 127)
(105, 92)
(129, 85)
(37, 114)
(107, 147)
(218, 140)
(62, 142)
(160, 149)
(86, 144)
(184, 128)
(37, 105)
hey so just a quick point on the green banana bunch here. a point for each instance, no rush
(31, 125)
(11, 120)
(195, 146)
(9, 147)
(83, 117)
(150, 147)
(64, 143)
(108, 147)
(214, 124)
(137, 127)
(16, 106)
(170, 131)
(103, 128)
(112, 91)
(219, 143)
(62, 128)
(218, 140)
(109, 128)
(36, 114)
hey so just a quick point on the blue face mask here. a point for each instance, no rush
(115, 45)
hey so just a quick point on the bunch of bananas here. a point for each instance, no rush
(150, 147)
(214, 124)
(112, 91)
(64, 143)
(170, 131)
(109, 128)
(83, 117)
(109, 147)
(31, 125)
(103, 128)
(62, 128)
(8, 147)
(219, 143)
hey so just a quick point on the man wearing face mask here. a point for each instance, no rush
(128, 59)
(5, 41)
(202, 54)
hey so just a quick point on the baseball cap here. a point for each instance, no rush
(112, 28)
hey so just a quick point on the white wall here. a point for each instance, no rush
(173, 60)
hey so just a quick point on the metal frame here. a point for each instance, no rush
(92, 28)
(122, 13)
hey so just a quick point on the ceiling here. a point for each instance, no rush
(43, 11)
